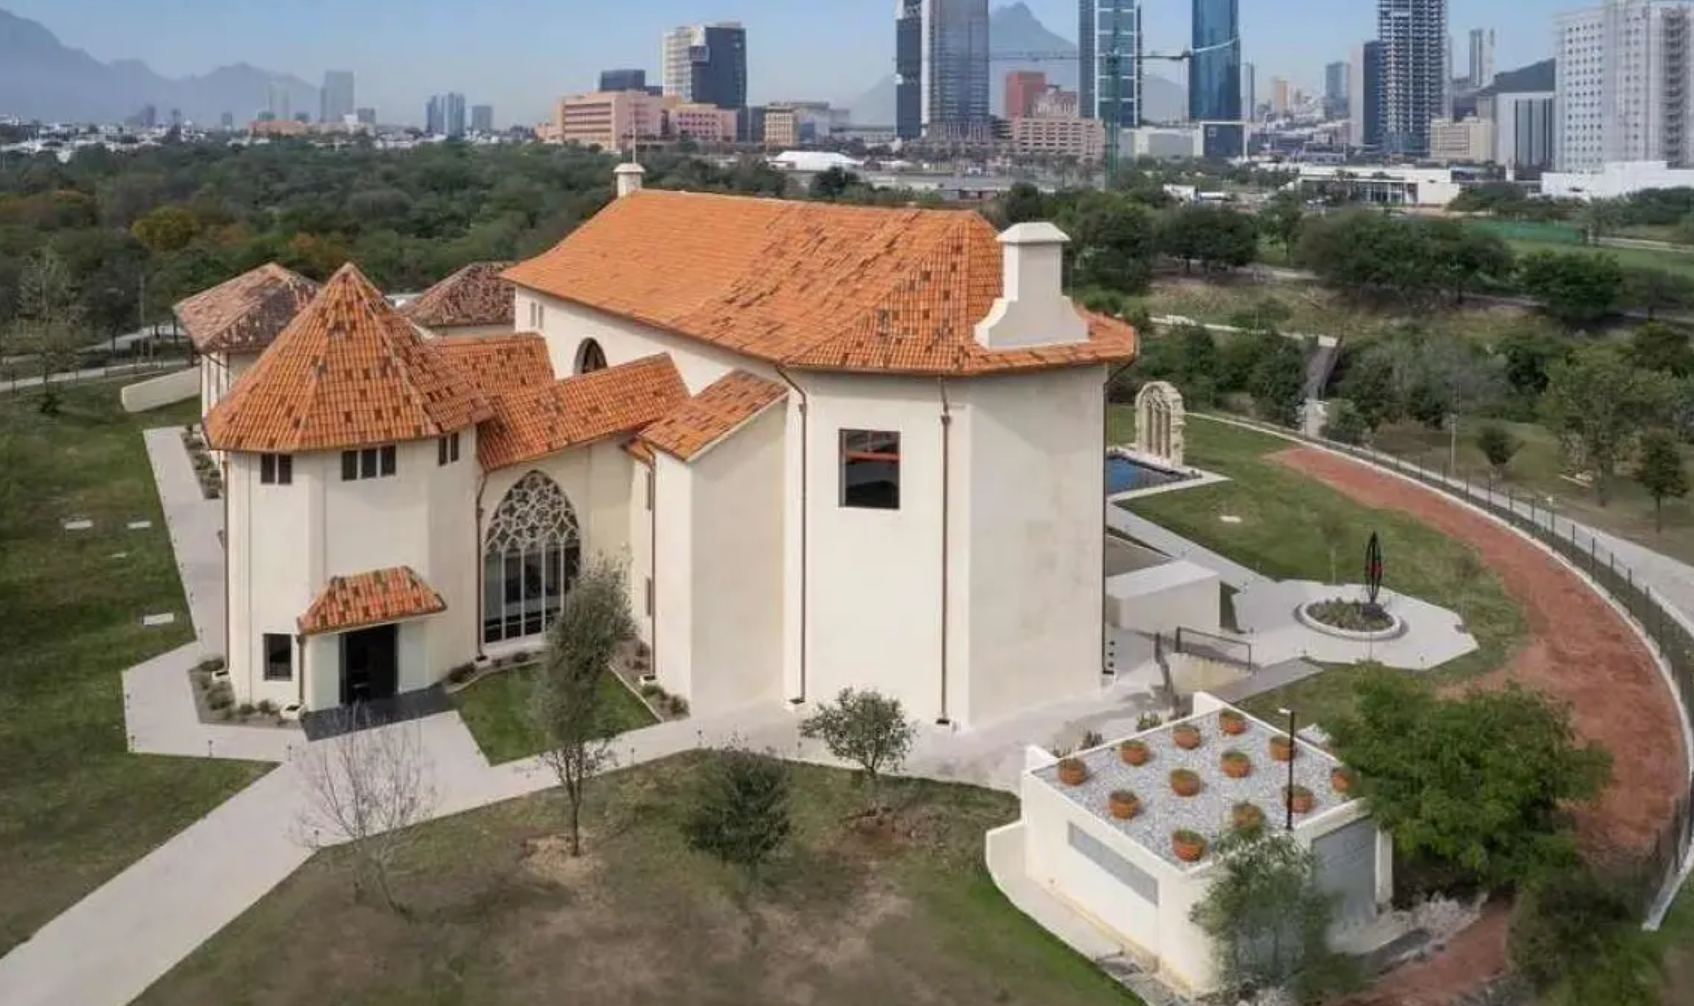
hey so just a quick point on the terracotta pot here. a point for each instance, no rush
(1186, 736)
(1189, 847)
(1341, 780)
(1246, 815)
(1135, 752)
(1282, 749)
(1232, 722)
(1236, 765)
(1184, 782)
(1123, 805)
(1072, 771)
(1300, 799)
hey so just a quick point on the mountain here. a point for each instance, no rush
(41, 78)
(1014, 29)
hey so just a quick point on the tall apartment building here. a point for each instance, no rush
(1106, 49)
(335, 101)
(1335, 82)
(1481, 58)
(1364, 96)
(1623, 87)
(623, 80)
(455, 114)
(277, 102)
(1279, 97)
(1250, 90)
(908, 70)
(1415, 74)
(1214, 76)
(1059, 136)
(955, 70)
(482, 118)
(365, 116)
(1022, 88)
(707, 64)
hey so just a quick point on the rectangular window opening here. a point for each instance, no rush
(276, 469)
(349, 466)
(367, 463)
(870, 469)
(279, 657)
(387, 460)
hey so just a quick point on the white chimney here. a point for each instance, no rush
(1032, 309)
(629, 175)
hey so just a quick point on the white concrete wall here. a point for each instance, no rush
(642, 486)
(673, 586)
(270, 532)
(1029, 486)
(737, 568)
(1161, 599)
(177, 386)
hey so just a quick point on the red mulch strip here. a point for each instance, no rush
(1579, 651)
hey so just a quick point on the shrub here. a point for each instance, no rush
(1091, 739)
(247, 709)
(267, 707)
(1148, 721)
(1497, 445)
(1346, 424)
(211, 665)
(676, 705)
(1572, 932)
(220, 700)
(864, 727)
(740, 815)
(651, 691)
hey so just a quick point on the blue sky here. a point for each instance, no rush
(519, 54)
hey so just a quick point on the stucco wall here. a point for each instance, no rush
(270, 533)
(737, 568)
(642, 486)
(1163, 598)
(673, 584)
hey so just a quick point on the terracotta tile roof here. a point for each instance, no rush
(577, 410)
(500, 364)
(712, 414)
(811, 285)
(247, 312)
(349, 371)
(475, 295)
(640, 450)
(382, 595)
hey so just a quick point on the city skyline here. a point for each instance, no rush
(784, 62)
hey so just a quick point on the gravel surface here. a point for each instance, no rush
(1207, 812)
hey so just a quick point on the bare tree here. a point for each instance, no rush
(566, 705)
(49, 325)
(366, 788)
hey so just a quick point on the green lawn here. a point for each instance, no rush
(1676, 942)
(1279, 535)
(75, 806)
(846, 916)
(1647, 258)
(496, 711)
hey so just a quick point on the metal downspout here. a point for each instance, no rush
(805, 522)
(1105, 438)
(946, 526)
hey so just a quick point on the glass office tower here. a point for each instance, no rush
(1214, 76)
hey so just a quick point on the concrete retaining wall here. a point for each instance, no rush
(177, 386)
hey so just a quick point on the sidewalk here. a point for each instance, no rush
(1174, 545)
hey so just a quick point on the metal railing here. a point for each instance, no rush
(1211, 646)
(1661, 869)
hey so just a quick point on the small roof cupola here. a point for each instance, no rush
(1032, 309)
(629, 175)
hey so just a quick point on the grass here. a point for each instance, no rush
(496, 711)
(846, 916)
(1675, 940)
(1646, 258)
(1279, 534)
(75, 806)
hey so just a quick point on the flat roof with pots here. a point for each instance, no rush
(1208, 812)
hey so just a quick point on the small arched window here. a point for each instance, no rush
(590, 357)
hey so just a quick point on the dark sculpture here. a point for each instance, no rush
(1373, 573)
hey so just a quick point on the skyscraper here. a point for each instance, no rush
(1364, 95)
(908, 70)
(1335, 82)
(454, 110)
(1413, 34)
(335, 101)
(1625, 85)
(623, 80)
(955, 70)
(435, 116)
(1481, 57)
(277, 102)
(1250, 90)
(482, 119)
(1214, 76)
(1022, 88)
(1279, 96)
(1106, 46)
(707, 63)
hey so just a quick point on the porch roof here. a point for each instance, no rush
(371, 598)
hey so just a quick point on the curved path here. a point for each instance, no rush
(1580, 651)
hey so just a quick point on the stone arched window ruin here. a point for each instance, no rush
(1159, 421)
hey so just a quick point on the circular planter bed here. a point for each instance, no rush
(1236, 764)
(1072, 772)
(1342, 780)
(1185, 782)
(1189, 846)
(1300, 799)
(1186, 736)
(1282, 748)
(1355, 620)
(1232, 722)
(1246, 816)
(1123, 804)
(1135, 752)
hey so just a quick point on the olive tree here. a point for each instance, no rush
(866, 728)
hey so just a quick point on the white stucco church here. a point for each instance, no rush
(835, 446)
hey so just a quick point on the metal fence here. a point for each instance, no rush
(22, 379)
(1211, 646)
(1659, 871)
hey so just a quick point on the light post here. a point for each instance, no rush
(1293, 752)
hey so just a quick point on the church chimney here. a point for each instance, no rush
(629, 175)
(1032, 309)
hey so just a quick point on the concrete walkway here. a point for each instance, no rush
(1177, 547)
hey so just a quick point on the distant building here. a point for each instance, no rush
(1387, 186)
(1415, 81)
(1022, 88)
(1616, 180)
(335, 101)
(955, 70)
(1107, 43)
(781, 127)
(303, 117)
(226, 121)
(1520, 105)
(277, 102)
(1365, 97)
(1481, 58)
(454, 110)
(611, 120)
(1165, 143)
(908, 70)
(703, 123)
(482, 119)
(707, 64)
(1056, 102)
(1214, 76)
(365, 116)
(1624, 87)
(1468, 141)
(1056, 136)
(1279, 97)
(1250, 90)
(148, 117)
(623, 80)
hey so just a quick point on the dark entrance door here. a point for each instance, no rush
(370, 664)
